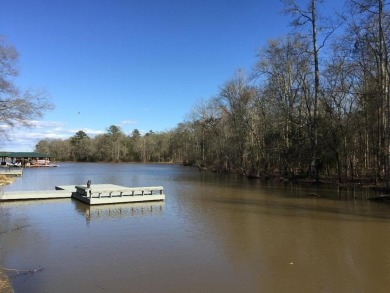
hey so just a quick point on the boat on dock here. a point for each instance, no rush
(40, 163)
(25, 159)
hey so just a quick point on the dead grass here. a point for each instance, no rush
(5, 285)
(5, 180)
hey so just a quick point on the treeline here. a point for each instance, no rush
(113, 146)
(317, 103)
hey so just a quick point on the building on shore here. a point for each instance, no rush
(25, 159)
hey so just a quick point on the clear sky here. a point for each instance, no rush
(137, 64)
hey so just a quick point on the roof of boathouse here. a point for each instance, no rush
(23, 155)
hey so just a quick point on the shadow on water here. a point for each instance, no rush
(312, 207)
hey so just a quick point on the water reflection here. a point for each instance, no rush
(22, 225)
(312, 208)
(93, 212)
(214, 233)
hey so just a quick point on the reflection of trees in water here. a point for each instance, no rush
(16, 232)
(279, 234)
(276, 236)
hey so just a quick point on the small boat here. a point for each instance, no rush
(40, 163)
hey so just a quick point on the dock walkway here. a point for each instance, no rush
(97, 194)
(35, 194)
(11, 172)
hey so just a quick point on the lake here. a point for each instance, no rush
(213, 233)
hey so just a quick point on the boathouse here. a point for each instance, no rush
(24, 159)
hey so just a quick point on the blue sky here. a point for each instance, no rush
(137, 64)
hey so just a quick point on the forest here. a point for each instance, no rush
(316, 104)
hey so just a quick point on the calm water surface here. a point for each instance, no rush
(214, 233)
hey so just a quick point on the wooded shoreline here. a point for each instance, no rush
(316, 101)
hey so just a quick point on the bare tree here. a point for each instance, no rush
(284, 71)
(17, 107)
(203, 118)
(235, 99)
(370, 28)
(308, 17)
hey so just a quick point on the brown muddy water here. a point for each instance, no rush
(214, 233)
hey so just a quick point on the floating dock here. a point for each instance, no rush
(110, 193)
(94, 195)
(38, 194)
(11, 172)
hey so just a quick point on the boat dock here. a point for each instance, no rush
(97, 194)
(35, 194)
(109, 193)
(11, 171)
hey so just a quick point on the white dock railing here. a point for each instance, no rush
(118, 192)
